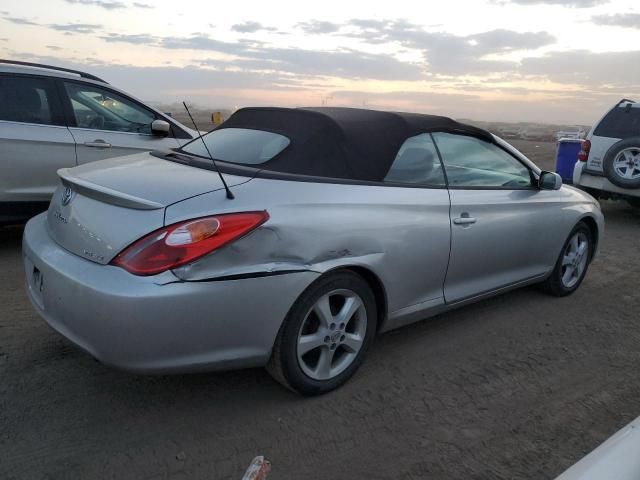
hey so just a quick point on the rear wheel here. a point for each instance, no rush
(622, 163)
(572, 264)
(326, 335)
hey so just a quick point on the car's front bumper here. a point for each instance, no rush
(155, 324)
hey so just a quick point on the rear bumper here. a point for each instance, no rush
(599, 182)
(155, 324)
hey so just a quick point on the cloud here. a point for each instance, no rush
(442, 58)
(318, 27)
(564, 3)
(195, 42)
(251, 27)
(135, 39)
(501, 40)
(626, 20)
(75, 27)
(515, 106)
(344, 63)
(253, 55)
(583, 67)
(203, 42)
(142, 5)
(218, 87)
(60, 27)
(106, 4)
(20, 21)
(448, 54)
(54, 48)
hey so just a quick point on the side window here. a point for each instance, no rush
(101, 109)
(28, 100)
(417, 162)
(471, 162)
(621, 122)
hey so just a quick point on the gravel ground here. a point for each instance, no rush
(517, 387)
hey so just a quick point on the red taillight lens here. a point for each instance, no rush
(583, 155)
(185, 242)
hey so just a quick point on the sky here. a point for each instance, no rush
(548, 61)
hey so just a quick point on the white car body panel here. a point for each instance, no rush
(617, 458)
(30, 156)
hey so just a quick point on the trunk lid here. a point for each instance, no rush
(101, 207)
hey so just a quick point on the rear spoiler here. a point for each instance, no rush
(105, 194)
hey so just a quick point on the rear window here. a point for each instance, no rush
(621, 122)
(239, 145)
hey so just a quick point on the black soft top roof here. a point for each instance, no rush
(349, 143)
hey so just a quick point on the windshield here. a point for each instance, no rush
(239, 145)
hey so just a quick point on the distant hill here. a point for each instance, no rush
(527, 130)
(521, 130)
(202, 115)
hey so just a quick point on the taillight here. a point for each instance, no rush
(583, 155)
(184, 242)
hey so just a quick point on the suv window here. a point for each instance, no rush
(621, 122)
(472, 162)
(28, 100)
(417, 162)
(101, 109)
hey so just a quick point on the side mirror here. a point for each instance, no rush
(549, 181)
(160, 128)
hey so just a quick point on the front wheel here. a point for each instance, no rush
(572, 264)
(326, 335)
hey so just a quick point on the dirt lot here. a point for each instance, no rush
(516, 387)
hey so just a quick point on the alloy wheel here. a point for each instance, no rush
(627, 163)
(574, 260)
(332, 334)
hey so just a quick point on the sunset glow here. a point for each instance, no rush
(548, 60)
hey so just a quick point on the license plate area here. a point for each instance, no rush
(35, 282)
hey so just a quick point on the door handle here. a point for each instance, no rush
(98, 144)
(464, 219)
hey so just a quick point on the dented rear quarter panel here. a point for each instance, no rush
(401, 235)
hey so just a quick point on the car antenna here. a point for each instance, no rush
(230, 195)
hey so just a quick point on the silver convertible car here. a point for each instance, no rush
(339, 224)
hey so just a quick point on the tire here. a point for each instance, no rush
(634, 202)
(340, 292)
(622, 163)
(556, 284)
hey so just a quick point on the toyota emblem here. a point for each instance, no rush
(67, 195)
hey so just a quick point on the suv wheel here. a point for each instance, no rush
(622, 163)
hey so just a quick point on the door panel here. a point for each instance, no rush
(31, 156)
(503, 229)
(107, 124)
(34, 142)
(95, 145)
(421, 258)
(500, 237)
